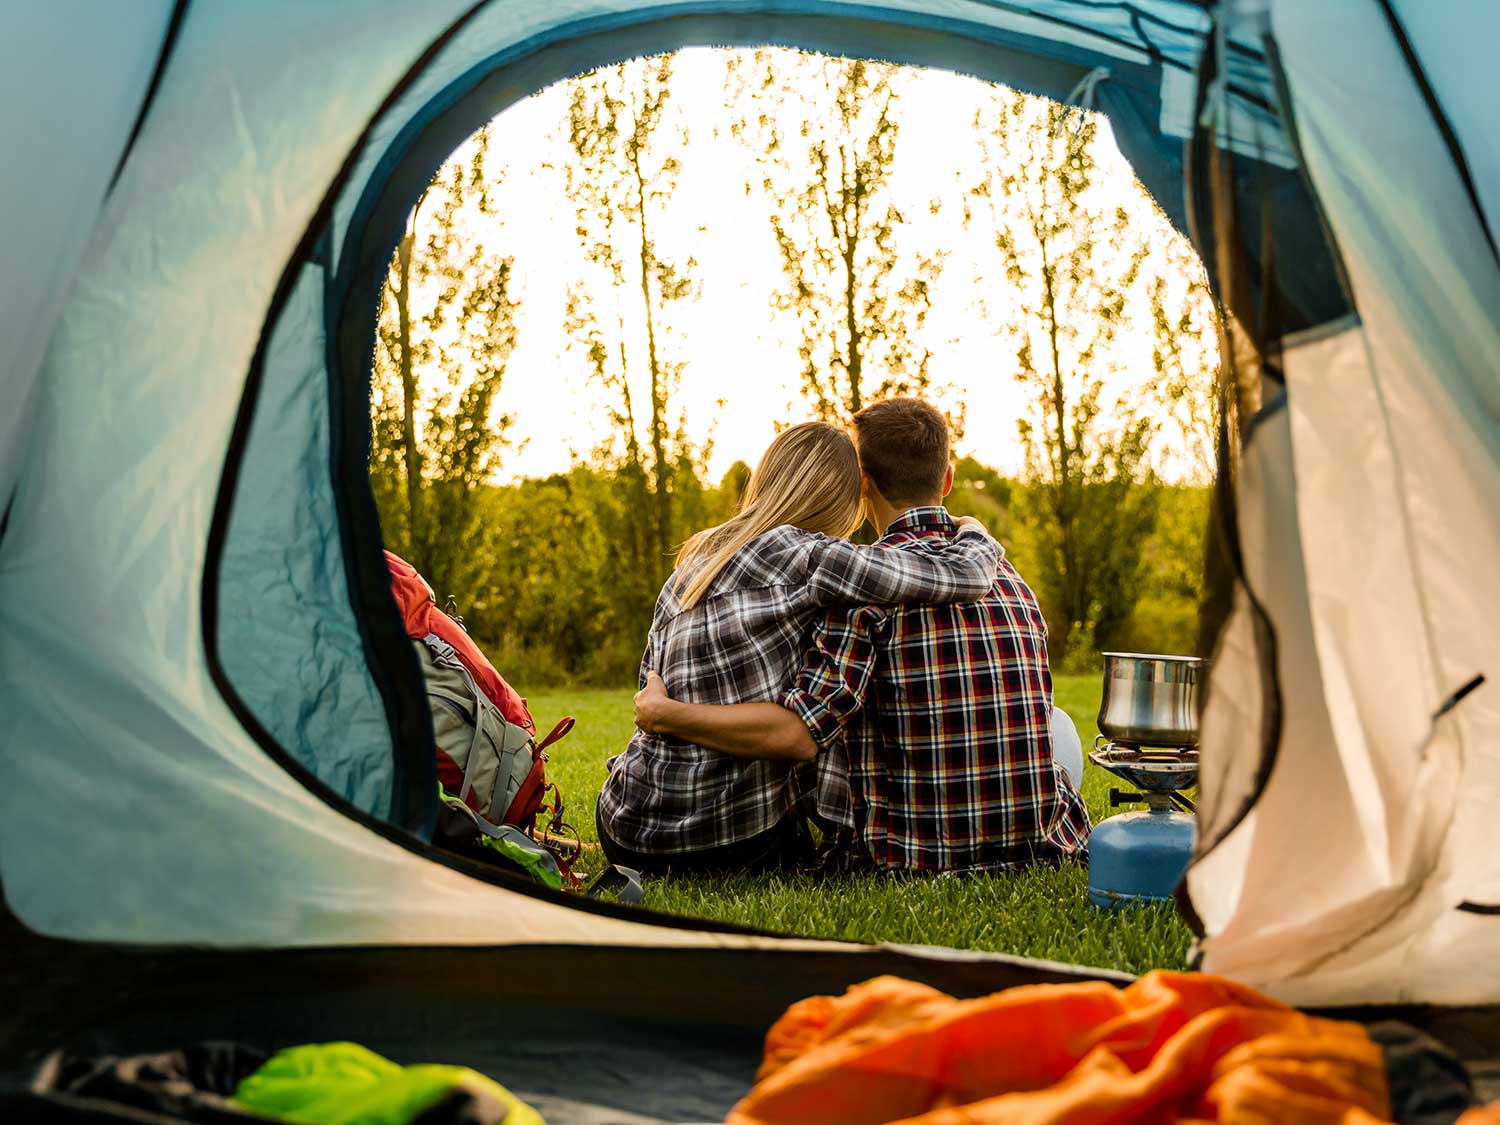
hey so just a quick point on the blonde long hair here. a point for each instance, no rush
(809, 478)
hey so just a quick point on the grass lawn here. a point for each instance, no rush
(1041, 913)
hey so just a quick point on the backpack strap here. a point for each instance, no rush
(451, 779)
(528, 799)
(557, 733)
(444, 653)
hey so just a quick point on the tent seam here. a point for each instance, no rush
(163, 59)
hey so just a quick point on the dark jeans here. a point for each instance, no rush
(781, 848)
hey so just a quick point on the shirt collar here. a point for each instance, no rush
(931, 517)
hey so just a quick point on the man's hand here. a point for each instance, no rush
(650, 703)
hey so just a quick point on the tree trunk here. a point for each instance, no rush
(851, 316)
(851, 321)
(662, 495)
(412, 451)
(853, 197)
(1064, 507)
(637, 470)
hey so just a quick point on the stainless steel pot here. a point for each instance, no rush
(1150, 700)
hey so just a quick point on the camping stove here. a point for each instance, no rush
(1148, 722)
(1141, 856)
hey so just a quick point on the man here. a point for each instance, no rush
(930, 724)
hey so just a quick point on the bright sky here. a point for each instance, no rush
(741, 371)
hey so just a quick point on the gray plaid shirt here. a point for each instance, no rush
(744, 642)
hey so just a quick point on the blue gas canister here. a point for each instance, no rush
(1138, 857)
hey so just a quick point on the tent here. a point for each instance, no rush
(215, 798)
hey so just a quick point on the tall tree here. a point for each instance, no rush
(447, 328)
(1185, 359)
(622, 170)
(1071, 262)
(1185, 351)
(826, 131)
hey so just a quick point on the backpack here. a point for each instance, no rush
(487, 753)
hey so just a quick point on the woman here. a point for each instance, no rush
(731, 626)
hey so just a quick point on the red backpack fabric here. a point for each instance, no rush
(420, 612)
(423, 618)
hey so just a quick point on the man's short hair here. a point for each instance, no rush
(903, 446)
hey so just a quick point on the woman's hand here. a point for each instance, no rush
(650, 704)
(966, 522)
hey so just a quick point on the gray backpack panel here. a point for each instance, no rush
(495, 754)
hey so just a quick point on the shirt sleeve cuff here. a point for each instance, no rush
(817, 716)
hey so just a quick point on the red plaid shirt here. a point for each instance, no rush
(933, 723)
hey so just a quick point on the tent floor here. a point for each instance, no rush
(590, 1034)
(576, 1067)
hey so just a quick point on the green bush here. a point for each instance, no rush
(528, 667)
(1160, 623)
(550, 586)
(616, 662)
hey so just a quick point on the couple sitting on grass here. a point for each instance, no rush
(895, 695)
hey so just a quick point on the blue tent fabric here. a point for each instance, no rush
(287, 631)
(70, 105)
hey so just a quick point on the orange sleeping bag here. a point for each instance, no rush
(1172, 1047)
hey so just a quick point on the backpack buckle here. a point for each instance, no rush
(450, 607)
